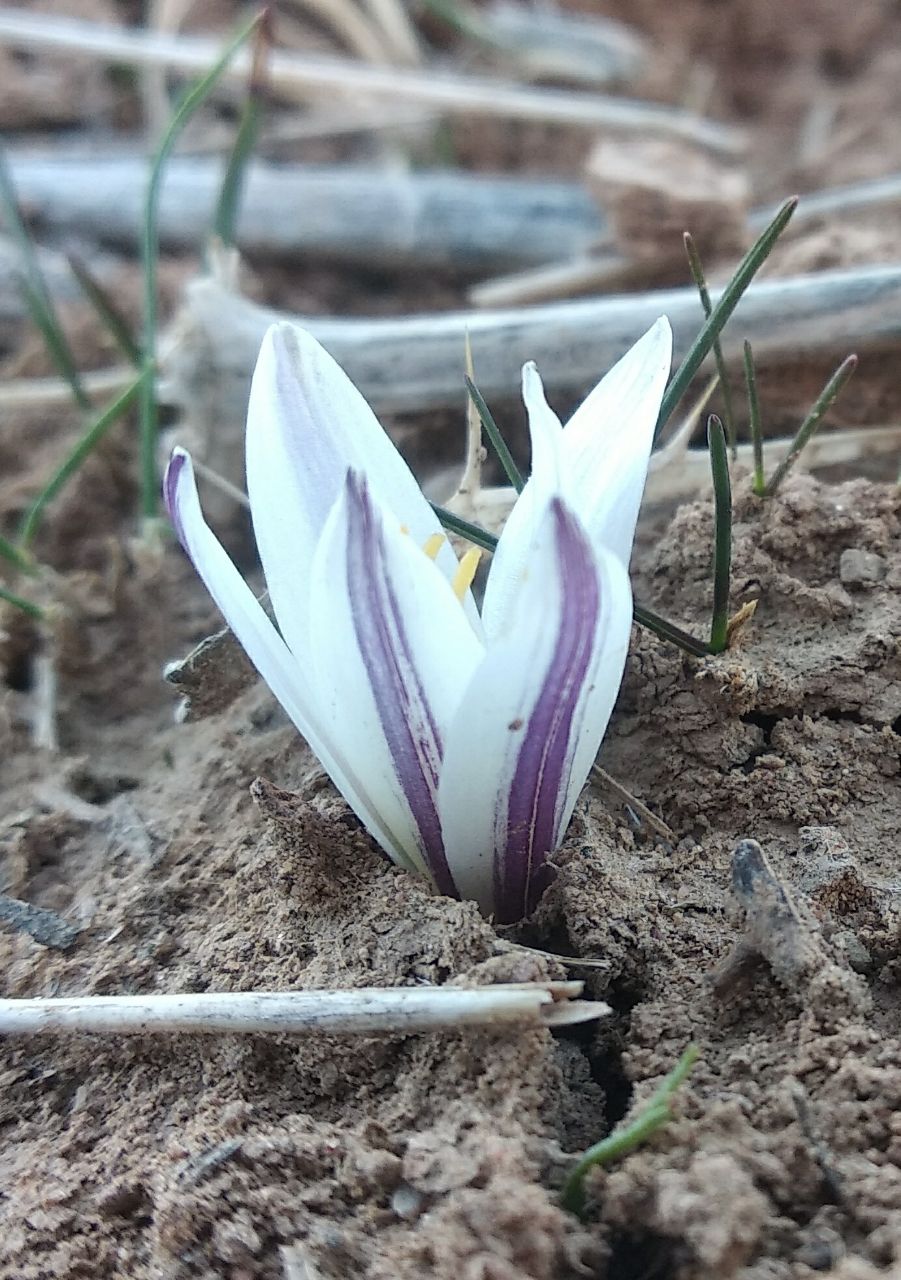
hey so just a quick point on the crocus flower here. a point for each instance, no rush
(460, 739)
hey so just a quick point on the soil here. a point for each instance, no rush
(214, 855)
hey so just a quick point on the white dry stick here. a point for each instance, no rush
(46, 393)
(397, 28)
(365, 1011)
(302, 77)
(681, 476)
(352, 28)
(412, 363)
(43, 707)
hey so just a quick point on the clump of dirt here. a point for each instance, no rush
(444, 1155)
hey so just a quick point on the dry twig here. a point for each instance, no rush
(363, 1011)
(302, 77)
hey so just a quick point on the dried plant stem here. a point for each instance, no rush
(686, 475)
(413, 362)
(49, 393)
(43, 698)
(459, 223)
(302, 76)
(363, 1011)
(352, 27)
(604, 779)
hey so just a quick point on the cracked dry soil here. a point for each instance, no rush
(443, 1155)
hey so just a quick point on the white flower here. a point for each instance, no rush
(461, 741)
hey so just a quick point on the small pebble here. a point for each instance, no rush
(861, 568)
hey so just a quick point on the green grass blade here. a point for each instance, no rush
(722, 533)
(226, 215)
(492, 431)
(697, 274)
(35, 290)
(728, 301)
(657, 1113)
(644, 617)
(118, 327)
(193, 99)
(472, 532)
(85, 444)
(16, 557)
(669, 631)
(824, 402)
(758, 484)
(19, 602)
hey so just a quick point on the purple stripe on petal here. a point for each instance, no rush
(413, 737)
(170, 491)
(539, 780)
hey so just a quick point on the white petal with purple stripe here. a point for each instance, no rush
(533, 717)
(392, 654)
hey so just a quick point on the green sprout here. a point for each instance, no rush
(697, 274)
(727, 302)
(818, 411)
(147, 402)
(722, 533)
(758, 484)
(226, 216)
(657, 1113)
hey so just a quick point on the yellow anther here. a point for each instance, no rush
(433, 545)
(405, 528)
(466, 571)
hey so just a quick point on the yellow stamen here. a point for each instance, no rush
(433, 545)
(466, 571)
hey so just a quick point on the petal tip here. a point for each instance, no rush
(178, 461)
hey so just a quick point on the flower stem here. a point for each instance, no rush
(722, 533)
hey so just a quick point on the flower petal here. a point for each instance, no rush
(532, 718)
(547, 479)
(262, 643)
(306, 424)
(392, 654)
(607, 442)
